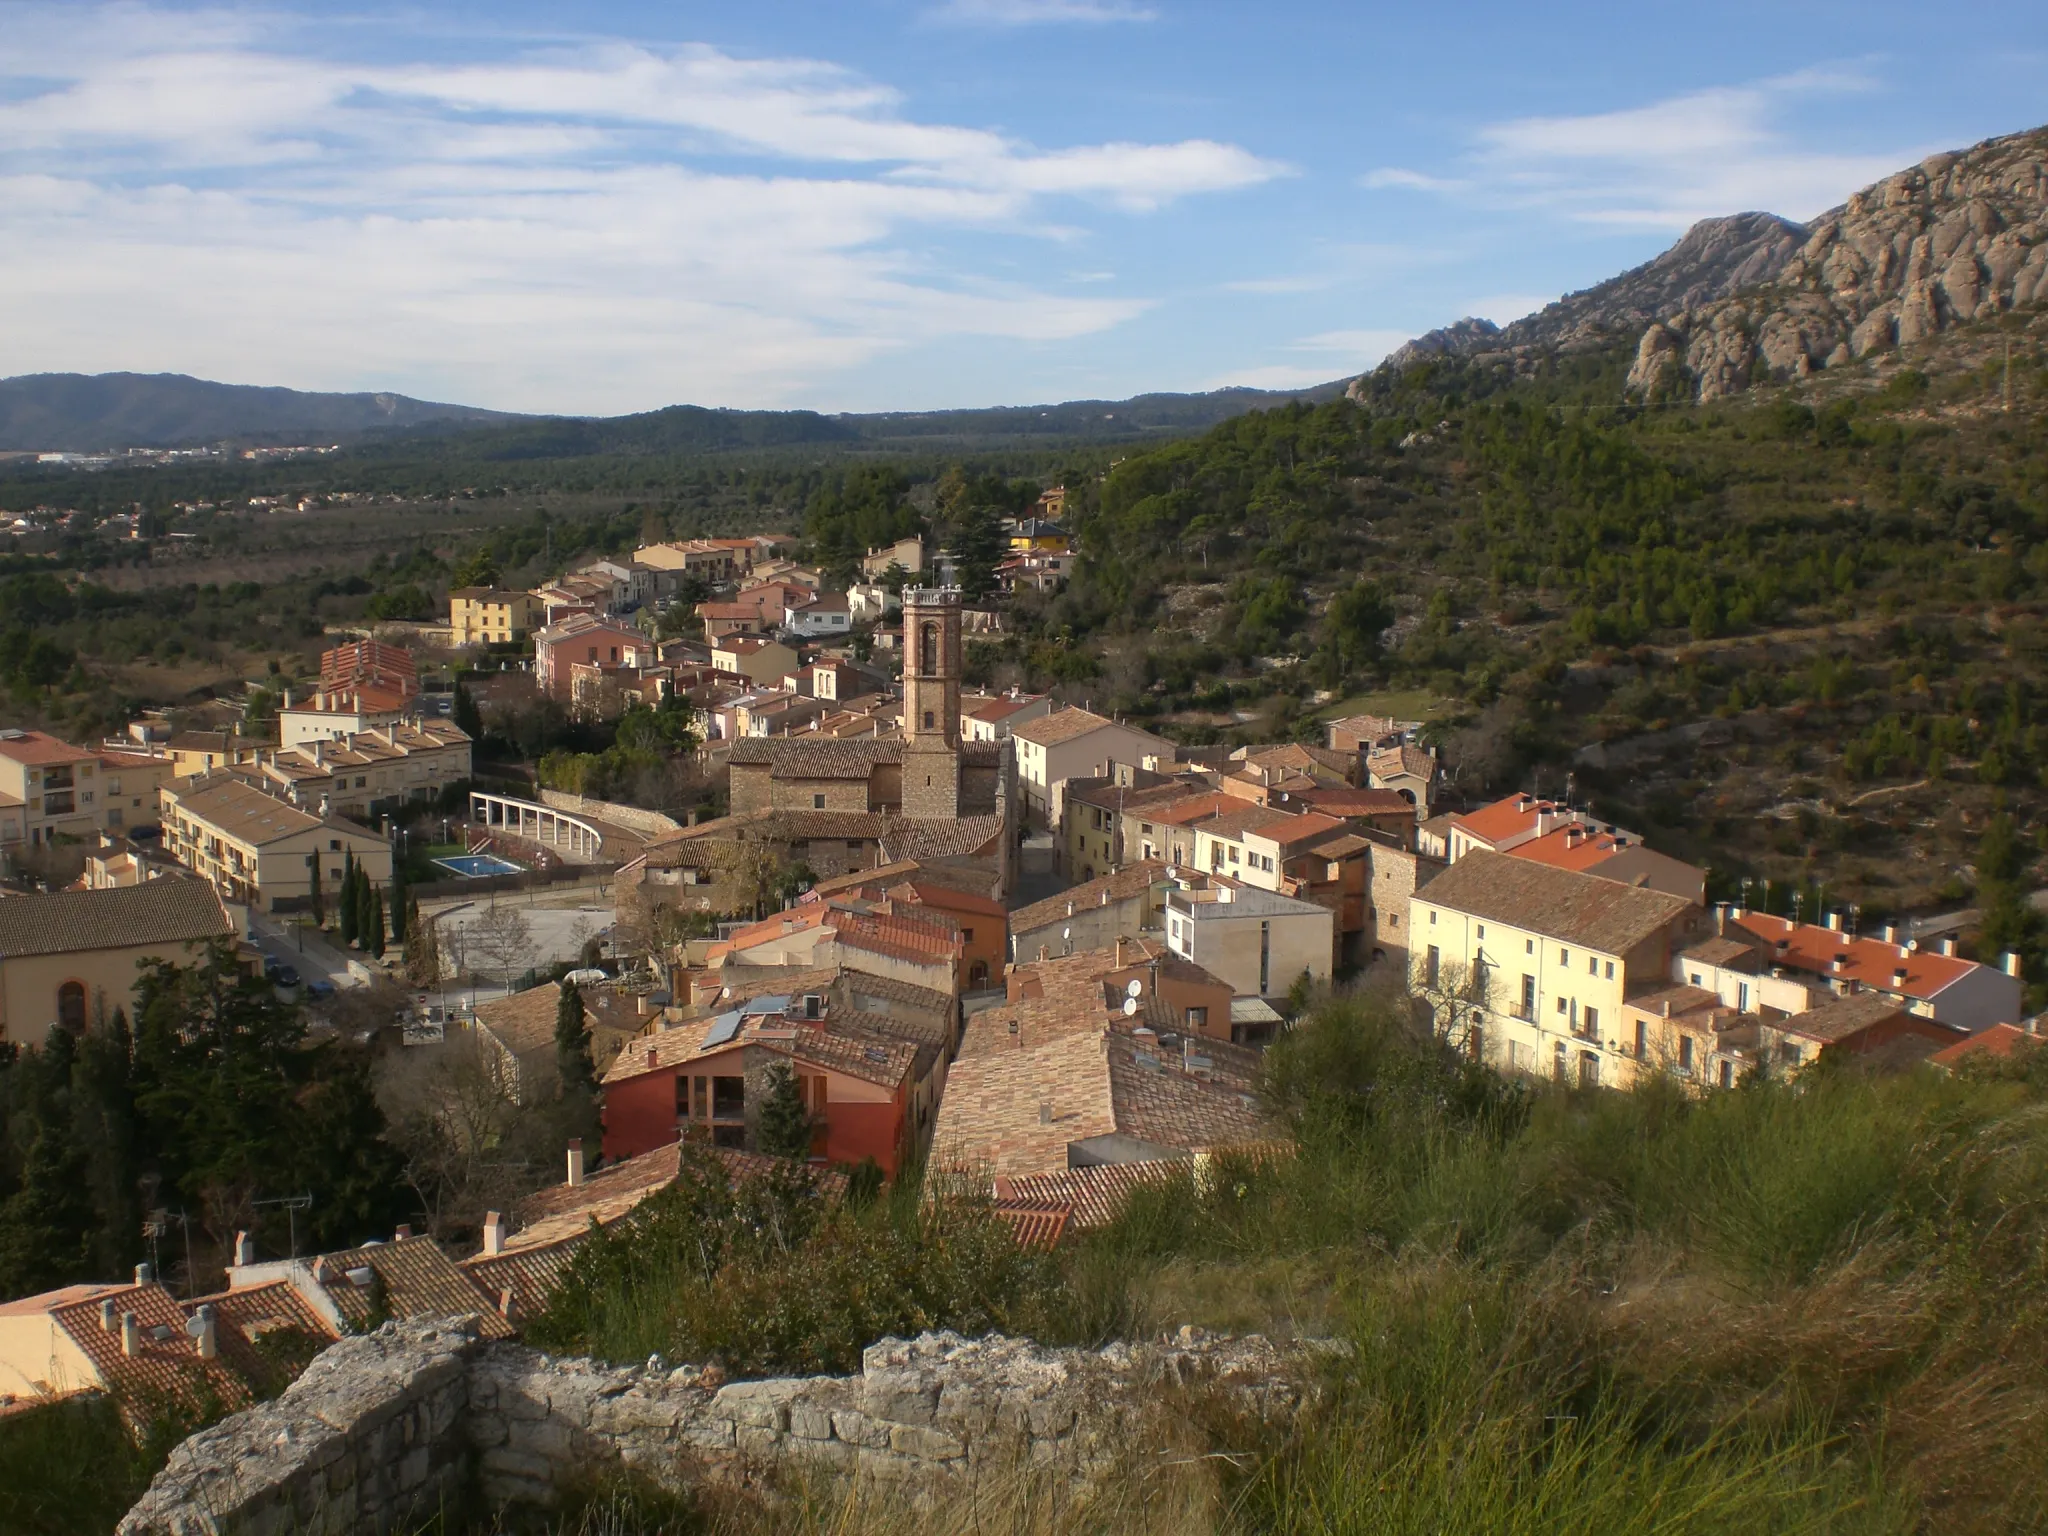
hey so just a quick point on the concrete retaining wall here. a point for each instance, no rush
(384, 1428)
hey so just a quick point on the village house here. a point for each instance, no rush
(1258, 941)
(1095, 914)
(260, 851)
(194, 752)
(364, 771)
(706, 1079)
(491, 616)
(758, 659)
(70, 957)
(1529, 966)
(52, 787)
(1084, 1065)
(906, 555)
(985, 717)
(588, 639)
(1755, 958)
(1075, 744)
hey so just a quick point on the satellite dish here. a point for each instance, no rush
(1135, 988)
(1130, 1007)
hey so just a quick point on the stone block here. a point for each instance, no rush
(707, 1432)
(549, 1438)
(503, 1461)
(807, 1422)
(901, 1397)
(757, 1440)
(924, 1444)
(856, 1428)
(763, 1403)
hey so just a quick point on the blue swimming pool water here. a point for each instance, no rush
(474, 866)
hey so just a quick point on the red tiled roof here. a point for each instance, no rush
(1572, 848)
(1035, 1223)
(39, 749)
(1096, 1196)
(1505, 818)
(166, 1367)
(1999, 1042)
(1871, 962)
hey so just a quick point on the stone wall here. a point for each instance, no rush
(388, 1427)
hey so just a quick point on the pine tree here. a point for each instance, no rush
(785, 1124)
(572, 1043)
(977, 551)
(346, 907)
(468, 719)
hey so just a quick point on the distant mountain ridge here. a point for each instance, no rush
(68, 412)
(81, 413)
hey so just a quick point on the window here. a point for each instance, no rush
(1528, 946)
(1197, 1018)
(1560, 1005)
(1742, 997)
(1432, 918)
(817, 802)
(1610, 970)
(1435, 960)
(1561, 1064)
(71, 1006)
(1694, 978)
(1727, 1074)
(1685, 1053)
(1592, 1022)
(1527, 1008)
(1482, 930)
(928, 719)
(1592, 966)
(967, 935)
(1564, 957)
(1642, 1040)
(728, 1098)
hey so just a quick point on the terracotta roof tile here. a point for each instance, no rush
(167, 911)
(1561, 904)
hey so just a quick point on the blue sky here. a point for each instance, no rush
(908, 204)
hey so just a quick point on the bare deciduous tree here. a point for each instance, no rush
(503, 938)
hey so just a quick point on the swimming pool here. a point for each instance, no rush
(475, 866)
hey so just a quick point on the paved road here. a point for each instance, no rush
(304, 951)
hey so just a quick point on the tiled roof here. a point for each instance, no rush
(909, 837)
(1356, 802)
(1119, 797)
(525, 1021)
(1999, 1042)
(1675, 1002)
(1507, 817)
(1157, 1101)
(992, 710)
(1300, 756)
(1298, 831)
(1095, 1195)
(1557, 903)
(1034, 1223)
(1812, 947)
(1015, 1108)
(166, 1366)
(39, 749)
(879, 1059)
(948, 898)
(265, 1309)
(1399, 760)
(419, 1281)
(236, 808)
(1725, 950)
(1068, 726)
(1183, 812)
(1841, 1018)
(1120, 885)
(169, 911)
(815, 759)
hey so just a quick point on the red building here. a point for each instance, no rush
(706, 1079)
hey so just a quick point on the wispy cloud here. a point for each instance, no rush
(1667, 163)
(1325, 355)
(655, 224)
(1036, 13)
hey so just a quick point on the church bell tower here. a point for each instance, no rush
(931, 702)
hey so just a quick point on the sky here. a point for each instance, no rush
(909, 204)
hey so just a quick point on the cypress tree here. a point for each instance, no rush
(400, 911)
(572, 1043)
(376, 944)
(346, 912)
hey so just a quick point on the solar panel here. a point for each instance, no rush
(723, 1029)
(760, 1005)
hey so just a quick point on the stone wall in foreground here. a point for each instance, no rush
(385, 1428)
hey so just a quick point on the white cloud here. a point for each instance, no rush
(1500, 308)
(1328, 355)
(1369, 345)
(1031, 13)
(1667, 163)
(604, 227)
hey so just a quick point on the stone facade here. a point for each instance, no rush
(386, 1428)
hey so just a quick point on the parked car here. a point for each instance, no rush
(284, 975)
(320, 987)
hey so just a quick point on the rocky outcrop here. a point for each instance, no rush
(1716, 258)
(1955, 238)
(385, 1429)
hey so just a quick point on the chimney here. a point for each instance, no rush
(1105, 898)
(1835, 921)
(1665, 1008)
(1122, 947)
(575, 1161)
(110, 1317)
(404, 1231)
(2009, 962)
(1899, 978)
(144, 1275)
(652, 1057)
(505, 1302)
(131, 1334)
(494, 1234)
(1044, 952)
(1948, 946)
(245, 1249)
(208, 1334)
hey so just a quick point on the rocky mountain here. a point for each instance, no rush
(1953, 239)
(1716, 258)
(81, 412)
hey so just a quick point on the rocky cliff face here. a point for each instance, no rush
(1717, 257)
(1955, 238)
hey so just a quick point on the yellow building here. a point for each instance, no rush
(194, 752)
(67, 957)
(491, 615)
(1037, 536)
(260, 851)
(1531, 967)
